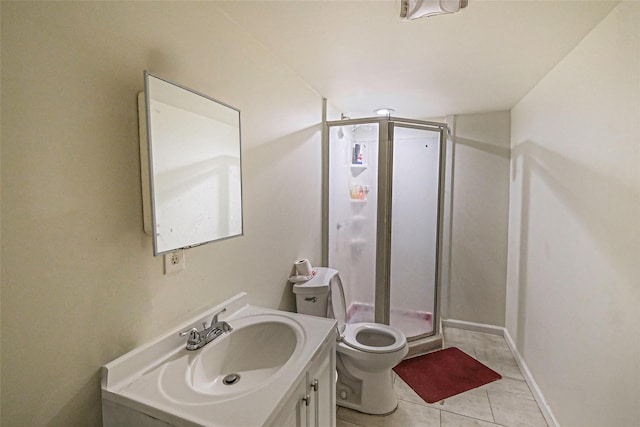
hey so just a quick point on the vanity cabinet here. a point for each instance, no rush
(313, 402)
(163, 384)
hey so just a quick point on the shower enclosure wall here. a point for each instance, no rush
(383, 204)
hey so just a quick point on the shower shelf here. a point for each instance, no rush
(358, 242)
(359, 166)
(357, 169)
(357, 218)
(358, 200)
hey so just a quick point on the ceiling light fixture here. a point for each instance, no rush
(384, 111)
(414, 9)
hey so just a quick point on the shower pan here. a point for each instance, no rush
(383, 206)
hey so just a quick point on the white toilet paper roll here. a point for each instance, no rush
(303, 267)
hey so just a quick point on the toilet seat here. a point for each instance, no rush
(383, 333)
(365, 336)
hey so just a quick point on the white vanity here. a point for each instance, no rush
(273, 368)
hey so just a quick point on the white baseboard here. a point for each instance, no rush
(531, 382)
(535, 390)
(475, 327)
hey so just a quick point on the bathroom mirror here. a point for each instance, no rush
(191, 166)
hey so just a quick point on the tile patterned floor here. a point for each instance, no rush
(507, 402)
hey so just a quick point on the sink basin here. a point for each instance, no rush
(235, 363)
(245, 358)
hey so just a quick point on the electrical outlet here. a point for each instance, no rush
(174, 262)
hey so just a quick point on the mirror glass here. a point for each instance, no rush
(194, 167)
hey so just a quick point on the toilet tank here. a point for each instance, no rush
(312, 296)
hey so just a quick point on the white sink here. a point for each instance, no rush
(256, 349)
(236, 363)
(238, 379)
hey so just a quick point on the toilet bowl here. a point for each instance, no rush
(366, 352)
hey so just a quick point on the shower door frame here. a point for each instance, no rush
(386, 126)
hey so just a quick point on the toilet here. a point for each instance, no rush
(366, 352)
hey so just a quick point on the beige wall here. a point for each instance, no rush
(573, 287)
(476, 288)
(79, 283)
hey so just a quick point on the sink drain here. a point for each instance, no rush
(231, 379)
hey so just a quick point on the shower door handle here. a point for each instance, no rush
(312, 299)
(307, 400)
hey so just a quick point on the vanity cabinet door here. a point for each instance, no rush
(321, 389)
(295, 412)
(313, 402)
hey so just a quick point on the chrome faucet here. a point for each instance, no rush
(198, 339)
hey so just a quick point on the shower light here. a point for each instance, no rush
(384, 111)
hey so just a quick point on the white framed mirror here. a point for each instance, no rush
(190, 166)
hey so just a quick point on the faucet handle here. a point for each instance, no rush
(193, 334)
(215, 316)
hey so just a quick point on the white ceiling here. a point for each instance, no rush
(361, 55)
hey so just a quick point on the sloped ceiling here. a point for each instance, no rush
(361, 55)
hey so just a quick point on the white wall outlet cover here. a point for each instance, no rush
(174, 262)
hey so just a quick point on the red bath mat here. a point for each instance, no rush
(444, 373)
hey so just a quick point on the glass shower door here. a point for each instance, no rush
(352, 214)
(414, 228)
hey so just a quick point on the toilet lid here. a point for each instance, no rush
(374, 337)
(338, 305)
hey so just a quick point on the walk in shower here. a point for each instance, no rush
(383, 180)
